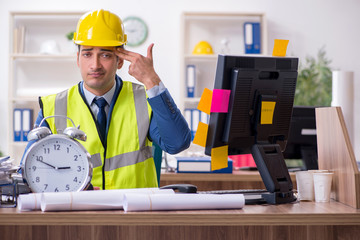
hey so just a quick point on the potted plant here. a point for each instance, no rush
(314, 81)
(70, 37)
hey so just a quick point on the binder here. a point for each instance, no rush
(195, 119)
(17, 124)
(204, 117)
(27, 119)
(252, 37)
(193, 116)
(199, 165)
(190, 80)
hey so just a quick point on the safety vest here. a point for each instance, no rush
(126, 160)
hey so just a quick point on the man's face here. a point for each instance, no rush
(98, 67)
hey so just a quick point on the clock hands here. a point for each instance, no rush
(56, 168)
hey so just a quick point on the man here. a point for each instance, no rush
(118, 118)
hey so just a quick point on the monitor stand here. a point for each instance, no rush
(274, 173)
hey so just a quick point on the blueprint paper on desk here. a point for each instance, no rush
(83, 200)
(146, 202)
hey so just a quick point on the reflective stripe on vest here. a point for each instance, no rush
(141, 154)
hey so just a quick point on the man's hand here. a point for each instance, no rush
(140, 67)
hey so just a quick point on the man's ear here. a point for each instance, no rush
(77, 59)
(121, 63)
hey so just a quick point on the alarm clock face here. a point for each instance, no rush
(57, 163)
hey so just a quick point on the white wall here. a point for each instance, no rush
(308, 24)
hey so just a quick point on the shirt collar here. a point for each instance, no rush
(107, 96)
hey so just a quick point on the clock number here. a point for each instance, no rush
(67, 187)
(34, 168)
(67, 150)
(46, 185)
(76, 157)
(79, 168)
(75, 179)
(46, 150)
(37, 179)
(56, 190)
(39, 158)
(56, 146)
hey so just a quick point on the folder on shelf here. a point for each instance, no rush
(195, 120)
(193, 116)
(190, 80)
(204, 117)
(252, 37)
(199, 165)
(27, 119)
(17, 124)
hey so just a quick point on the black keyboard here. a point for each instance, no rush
(236, 191)
(252, 196)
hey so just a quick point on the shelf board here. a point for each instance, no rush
(28, 93)
(18, 144)
(43, 56)
(25, 99)
(192, 100)
(192, 57)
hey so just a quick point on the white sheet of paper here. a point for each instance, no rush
(147, 202)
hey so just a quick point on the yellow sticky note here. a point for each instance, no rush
(201, 134)
(205, 101)
(280, 47)
(219, 158)
(267, 112)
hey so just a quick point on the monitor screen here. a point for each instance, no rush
(259, 113)
(302, 142)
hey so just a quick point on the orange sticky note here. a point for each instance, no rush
(219, 157)
(280, 46)
(220, 100)
(201, 134)
(205, 101)
(267, 112)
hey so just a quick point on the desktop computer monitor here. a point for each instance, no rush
(302, 141)
(258, 117)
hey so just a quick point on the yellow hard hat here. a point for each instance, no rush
(203, 47)
(100, 28)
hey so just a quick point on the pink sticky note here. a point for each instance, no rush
(220, 100)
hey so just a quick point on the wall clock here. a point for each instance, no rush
(136, 31)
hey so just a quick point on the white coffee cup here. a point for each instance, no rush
(305, 185)
(322, 186)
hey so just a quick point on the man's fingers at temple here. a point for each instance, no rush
(127, 55)
(149, 51)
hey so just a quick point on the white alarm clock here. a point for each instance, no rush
(57, 162)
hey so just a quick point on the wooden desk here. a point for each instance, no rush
(205, 182)
(305, 220)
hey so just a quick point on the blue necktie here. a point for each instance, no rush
(101, 116)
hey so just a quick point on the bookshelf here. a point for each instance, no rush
(42, 61)
(225, 33)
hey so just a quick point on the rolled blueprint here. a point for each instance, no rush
(92, 200)
(343, 96)
(27, 202)
(147, 202)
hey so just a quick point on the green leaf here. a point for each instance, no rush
(314, 81)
